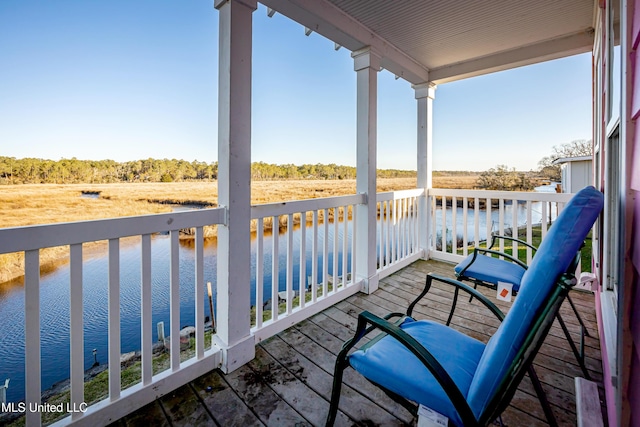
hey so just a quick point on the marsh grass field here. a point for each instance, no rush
(34, 204)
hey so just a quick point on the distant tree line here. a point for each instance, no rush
(268, 171)
(70, 171)
(455, 173)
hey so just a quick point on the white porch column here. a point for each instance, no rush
(234, 183)
(366, 65)
(425, 93)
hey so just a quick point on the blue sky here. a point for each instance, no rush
(127, 80)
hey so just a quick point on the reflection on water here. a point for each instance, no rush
(54, 310)
(54, 297)
(521, 218)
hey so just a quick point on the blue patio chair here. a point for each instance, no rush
(483, 268)
(468, 381)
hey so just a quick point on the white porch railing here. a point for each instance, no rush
(119, 402)
(318, 237)
(302, 263)
(398, 230)
(460, 219)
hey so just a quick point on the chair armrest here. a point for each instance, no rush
(426, 358)
(459, 286)
(513, 239)
(491, 251)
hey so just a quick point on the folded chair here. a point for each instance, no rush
(468, 381)
(481, 268)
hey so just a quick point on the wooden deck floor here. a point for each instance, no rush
(289, 381)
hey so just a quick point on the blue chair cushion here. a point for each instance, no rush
(491, 270)
(553, 258)
(389, 364)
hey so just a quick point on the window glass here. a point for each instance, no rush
(615, 84)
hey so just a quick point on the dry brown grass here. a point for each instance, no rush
(45, 203)
(467, 182)
(31, 204)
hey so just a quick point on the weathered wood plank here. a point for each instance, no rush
(291, 389)
(266, 404)
(529, 404)
(223, 403)
(352, 402)
(183, 408)
(588, 404)
(149, 415)
(516, 417)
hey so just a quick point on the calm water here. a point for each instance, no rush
(521, 214)
(54, 295)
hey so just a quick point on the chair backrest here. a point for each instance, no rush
(553, 258)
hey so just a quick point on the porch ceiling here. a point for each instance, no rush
(443, 40)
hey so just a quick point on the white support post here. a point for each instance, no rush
(234, 183)
(32, 352)
(366, 65)
(425, 93)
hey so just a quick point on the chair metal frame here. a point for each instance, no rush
(578, 352)
(522, 363)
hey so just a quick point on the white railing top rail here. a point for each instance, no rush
(28, 238)
(285, 208)
(508, 195)
(400, 194)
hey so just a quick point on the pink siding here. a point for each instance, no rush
(634, 317)
(631, 316)
(633, 391)
(635, 31)
(635, 250)
(635, 100)
(635, 111)
(635, 160)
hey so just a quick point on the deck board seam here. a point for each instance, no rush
(164, 411)
(266, 383)
(302, 380)
(224, 378)
(206, 408)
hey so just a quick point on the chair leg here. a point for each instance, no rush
(453, 306)
(585, 331)
(341, 364)
(579, 354)
(542, 397)
(475, 286)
